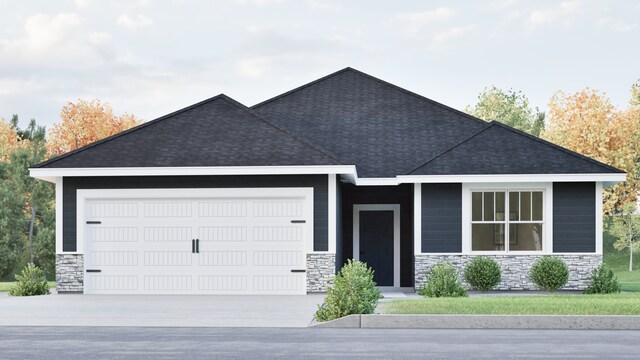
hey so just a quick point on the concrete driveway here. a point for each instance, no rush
(159, 310)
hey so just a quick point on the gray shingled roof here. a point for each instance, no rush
(347, 117)
(216, 132)
(500, 149)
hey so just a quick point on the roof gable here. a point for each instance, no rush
(500, 149)
(216, 132)
(383, 129)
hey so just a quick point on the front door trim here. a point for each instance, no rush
(357, 208)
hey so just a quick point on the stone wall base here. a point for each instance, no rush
(320, 271)
(69, 273)
(515, 269)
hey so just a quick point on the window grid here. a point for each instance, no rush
(507, 221)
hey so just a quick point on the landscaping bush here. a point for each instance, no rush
(482, 273)
(353, 292)
(442, 281)
(549, 273)
(30, 282)
(603, 281)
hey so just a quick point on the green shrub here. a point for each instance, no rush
(603, 281)
(353, 292)
(442, 281)
(549, 273)
(30, 282)
(482, 273)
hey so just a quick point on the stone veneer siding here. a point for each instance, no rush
(69, 273)
(515, 269)
(320, 271)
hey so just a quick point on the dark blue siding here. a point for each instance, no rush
(441, 218)
(318, 182)
(574, 217)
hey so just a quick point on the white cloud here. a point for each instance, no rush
(253, 67)
(323, 5)
(615, 25)
(563, 13)
(414, 22)
(81, 3)
(442, 37)
(259, 2)
(140, 21)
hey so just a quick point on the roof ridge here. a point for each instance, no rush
(130, 130)
(556, 146)
(286, 93)
(396, 87)
(286, 131)
(489, 125)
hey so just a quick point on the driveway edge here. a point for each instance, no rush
(548, 322)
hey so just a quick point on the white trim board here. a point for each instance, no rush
(83, 195)
(347, 171)
(357, 208)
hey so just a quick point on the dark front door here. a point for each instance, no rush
(376, 243)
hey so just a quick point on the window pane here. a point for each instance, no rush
(476, 206)
(514, 206)
(525, 237)
(525, 206)
(500, 206)
(487, 237)
(488, 206)
(536, 200)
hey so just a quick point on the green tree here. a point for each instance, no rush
(19, 193)
(625, 226)
(635, 94)
(509, 107)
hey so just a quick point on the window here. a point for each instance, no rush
(491, 226)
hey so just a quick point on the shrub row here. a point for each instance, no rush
(483, 273)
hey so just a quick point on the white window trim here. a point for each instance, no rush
(332, 213)
(357, 208)
(547, 215)
(83, 195)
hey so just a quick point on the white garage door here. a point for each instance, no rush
(223, 244)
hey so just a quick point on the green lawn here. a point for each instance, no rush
(619, 304)
(6, 286)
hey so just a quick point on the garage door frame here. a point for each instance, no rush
(85, 195)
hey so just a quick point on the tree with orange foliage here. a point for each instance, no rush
(9, 140)
(586, 122)
(85, 122)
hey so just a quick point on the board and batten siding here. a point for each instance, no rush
(574, 217)
(441, 218)
(318, 182)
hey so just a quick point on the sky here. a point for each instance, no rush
(149, 58)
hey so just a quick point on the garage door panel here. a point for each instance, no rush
(113, 234)
(167, 283)
(247, 246)
(223, 209)
(168, 209)
(111, 209)
(168, 258)
(167, 233)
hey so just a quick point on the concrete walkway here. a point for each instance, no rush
(159, 310)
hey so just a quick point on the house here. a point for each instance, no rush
(220, 198)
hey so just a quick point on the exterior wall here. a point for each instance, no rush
(441, 218)
(69, 273)
(400, 194)
(515, 269)
(320, 271)
(574, 217)
(318, 182)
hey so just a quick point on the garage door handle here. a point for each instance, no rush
(298, 270)
(94, 222)
(193, 246)
(298, 221)
(197, 246)
(94, 270)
